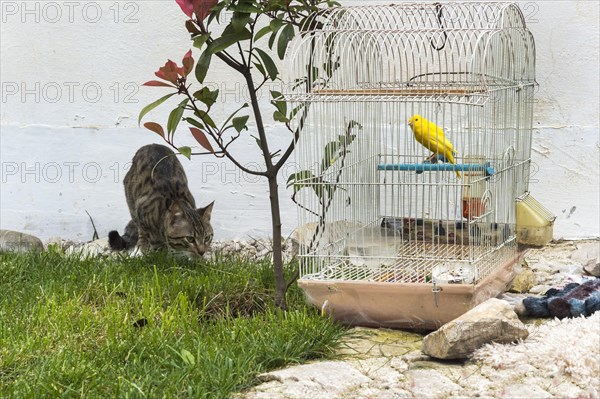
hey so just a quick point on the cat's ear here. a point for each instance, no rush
(175, 209)
(206, 211)
(175, 216)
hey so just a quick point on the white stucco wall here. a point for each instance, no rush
(70, 74)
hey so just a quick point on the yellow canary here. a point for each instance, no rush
(430, 136)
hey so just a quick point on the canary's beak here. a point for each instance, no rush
(410, 123)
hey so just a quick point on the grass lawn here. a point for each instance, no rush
(149, 327)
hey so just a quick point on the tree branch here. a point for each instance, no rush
(223, 148)
(264, 145)
(292, 145)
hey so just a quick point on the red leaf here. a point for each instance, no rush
(202, 8)
(157, 83)
(156, 128)
(168, 72)
(187, 6)
(188, 63)
(201, 139)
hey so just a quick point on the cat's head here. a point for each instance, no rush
(188, 230)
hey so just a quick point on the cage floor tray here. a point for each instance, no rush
(400, 305)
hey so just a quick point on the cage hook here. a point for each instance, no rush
(440, 16)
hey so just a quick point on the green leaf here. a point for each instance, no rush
(263, 31)
(205, 118)
(200, 40)
(278, 102)
(155, 104)
(260, 68)
(207, 96)
(228, 31)
(268, 63)
(239, 123)
(299, 82)
(272, 40)
(202, 65)
(347, 139)
(275, 24)
(175, 116)
(284, 38)
(239, 20)
(233, 114)
(330, 155)
(299, 180)
(216, 12)
(279, 117)
(295, 111)
(194, 122)
(185, 151)
(352, 124)
(258, 142)
(293, 177)
(227, 40)
(187, 357)
(247, 8)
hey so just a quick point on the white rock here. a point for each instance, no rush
(428, 383)
(379, 369)
(491, 321)
(262, 253)
(539, 289)
(525, 391)
(586, 252)
(560, 388)
(399, 364)
(593, 268)
(90, 249)
(19, 242)
(328, 379)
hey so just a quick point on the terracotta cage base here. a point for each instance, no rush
(407, 306)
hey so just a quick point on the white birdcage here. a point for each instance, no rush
(383, 223)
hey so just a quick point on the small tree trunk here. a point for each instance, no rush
(280, 283)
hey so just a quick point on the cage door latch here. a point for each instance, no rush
(436, 291)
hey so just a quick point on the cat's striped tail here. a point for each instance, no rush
(126, 241)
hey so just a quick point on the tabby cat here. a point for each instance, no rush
(163, 211)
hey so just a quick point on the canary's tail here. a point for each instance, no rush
(450, 158)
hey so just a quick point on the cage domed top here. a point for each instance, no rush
(451, 15)
(452, 52)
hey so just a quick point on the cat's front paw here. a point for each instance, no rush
(136, 252)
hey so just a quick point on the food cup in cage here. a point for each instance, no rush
(454, 273)
(368, 247)
(473, 204)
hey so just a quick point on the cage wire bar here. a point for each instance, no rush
(372, 204)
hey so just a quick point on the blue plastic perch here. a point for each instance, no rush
(432, 167)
